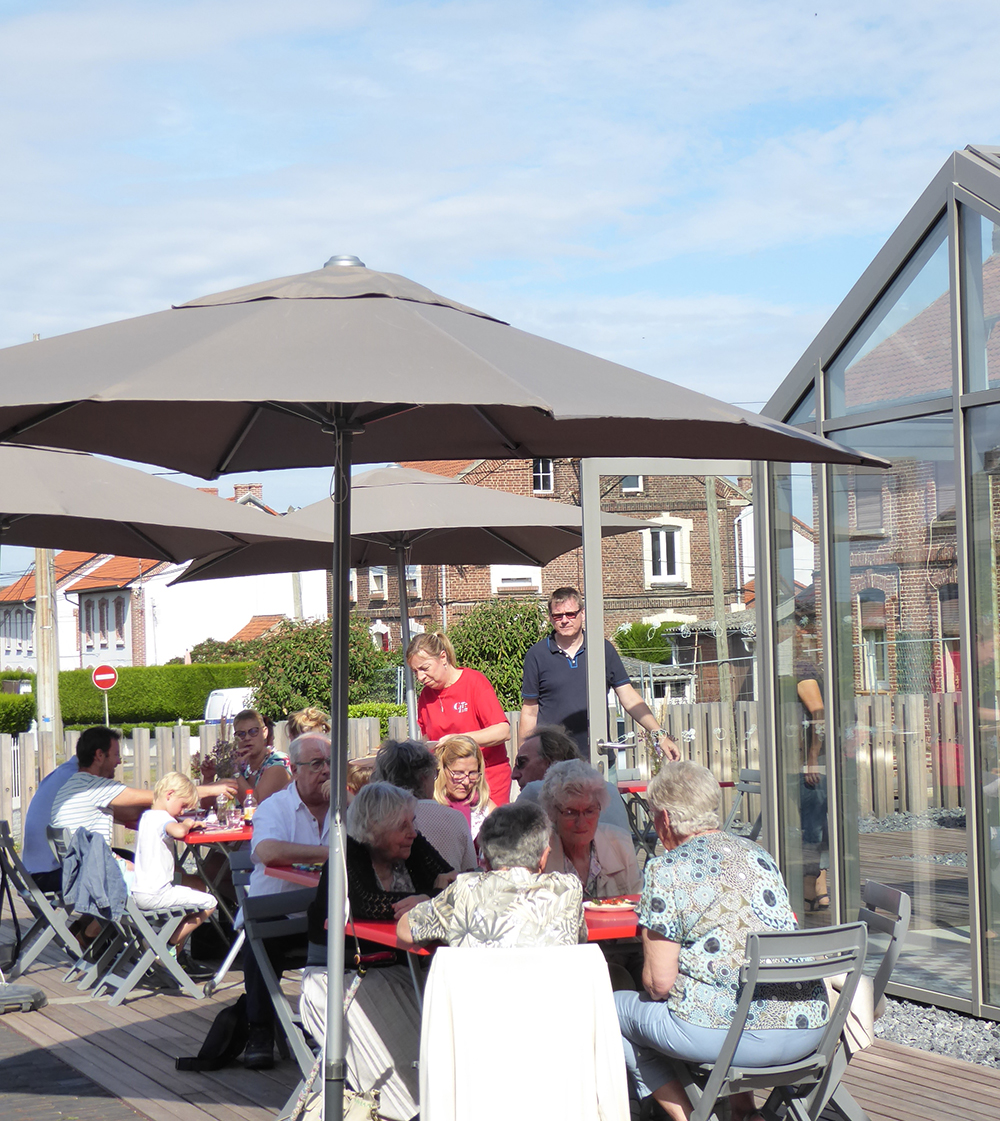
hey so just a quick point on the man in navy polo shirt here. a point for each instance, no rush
(554, 686)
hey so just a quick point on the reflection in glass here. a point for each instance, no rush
(901, 751)
(803, 814)
(902, 349)
(805, 410)
(981, 310)
(984, 533)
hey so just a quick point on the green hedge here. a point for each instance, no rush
(147, 694)
(382, 711)
(17, 710)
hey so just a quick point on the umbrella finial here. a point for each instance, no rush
(344, 259)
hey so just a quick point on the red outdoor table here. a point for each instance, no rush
(200, 842)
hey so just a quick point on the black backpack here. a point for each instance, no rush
(225, 1042)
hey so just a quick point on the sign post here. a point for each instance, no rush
(105, 678)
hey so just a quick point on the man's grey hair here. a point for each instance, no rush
(377, 808)
(554, 745)
(297, 744)
(406, 764)
(515, 836)
(572, 779)
(689, 793)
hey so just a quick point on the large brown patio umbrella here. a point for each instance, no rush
(69, 500)
(346, 364)
(400, 516)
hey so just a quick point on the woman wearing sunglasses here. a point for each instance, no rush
(461, 780)
(260, 767)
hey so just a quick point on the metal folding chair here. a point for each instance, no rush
(800, 1088)
(749, 783)
(50, 918)
(240, 867)
(273, 916)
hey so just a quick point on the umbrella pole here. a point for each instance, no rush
(404, 637)
(333, 1070)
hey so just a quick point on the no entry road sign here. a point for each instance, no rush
(105, 677)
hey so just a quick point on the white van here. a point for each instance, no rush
(224, 704)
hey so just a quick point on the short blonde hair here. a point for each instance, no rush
(449, 751)
(689, 793)
(310, 719)
(434, 643)
(573, 778)
(175, 783)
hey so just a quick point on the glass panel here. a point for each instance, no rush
(901, 753)
(902, 349)
(984, 534)
(803, 814)
(981, 274)
(805, 410)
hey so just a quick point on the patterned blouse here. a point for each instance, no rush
(707, 895)
(507, 908)
(272, 759)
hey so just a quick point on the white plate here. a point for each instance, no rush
(590, 905)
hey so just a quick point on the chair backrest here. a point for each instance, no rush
(875, 899)
(524, 986)
(240, 867)
(748, 783)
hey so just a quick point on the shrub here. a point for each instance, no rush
(494, 637)
(147, 694)
(648, 642)
(382, 711)
(17, 710)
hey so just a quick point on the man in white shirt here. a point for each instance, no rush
(290, 827)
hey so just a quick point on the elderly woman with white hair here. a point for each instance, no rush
(602, 857)
(701, 899)
(390, 868)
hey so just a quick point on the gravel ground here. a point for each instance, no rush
(941, 1032)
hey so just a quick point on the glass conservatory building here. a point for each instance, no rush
(880, 664)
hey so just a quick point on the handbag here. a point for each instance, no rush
(308, 1106)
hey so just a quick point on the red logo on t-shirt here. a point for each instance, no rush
(461, 706)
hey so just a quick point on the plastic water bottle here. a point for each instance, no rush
(249, 805)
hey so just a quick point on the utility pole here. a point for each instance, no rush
(721, 627)
(50, 727)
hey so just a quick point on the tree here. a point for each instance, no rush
(648, 642)
(292, 670)
(494, 637)
(214, 651)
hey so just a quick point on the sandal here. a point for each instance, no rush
(818, 903)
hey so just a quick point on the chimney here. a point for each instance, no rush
(213, 491)
(255, 490)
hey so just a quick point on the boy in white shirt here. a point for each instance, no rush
(154, 886)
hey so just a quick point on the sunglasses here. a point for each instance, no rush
(555, 616)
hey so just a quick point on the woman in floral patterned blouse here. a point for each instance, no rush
(700, 900)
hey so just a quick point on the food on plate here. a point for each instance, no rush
(613, 903)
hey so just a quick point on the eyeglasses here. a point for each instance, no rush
(577, 815)
(314, 765)
(248, 733)
(461, 776)
(555, 616)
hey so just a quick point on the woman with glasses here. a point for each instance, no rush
(455, 701)
(461, 780)
(602, 857)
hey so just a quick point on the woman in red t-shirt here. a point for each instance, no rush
(455, 701)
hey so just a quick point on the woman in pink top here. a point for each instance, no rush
(455, 701)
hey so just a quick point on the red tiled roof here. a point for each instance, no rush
(117, 572)
(258, 625)
(450, 468)
(66, 563)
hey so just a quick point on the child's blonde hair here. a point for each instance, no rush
(176, 783)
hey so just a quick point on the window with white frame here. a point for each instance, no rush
(102, 612)
(8, 623)
(120, 622)
(380, 635)
(515, 577)
(632, 484)
(666, 552)
(542, 476)
(88, 623)
(353, 583)
(413, 585)
(29, 630)
(377, 581)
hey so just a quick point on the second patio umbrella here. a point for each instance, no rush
(400, 516)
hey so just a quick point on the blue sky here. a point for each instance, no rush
(689, 188)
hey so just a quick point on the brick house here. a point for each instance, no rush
(655, 575)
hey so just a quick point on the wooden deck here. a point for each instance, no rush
(130, 1052)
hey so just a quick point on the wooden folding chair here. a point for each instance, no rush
(799, 1088)
(50, 918)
